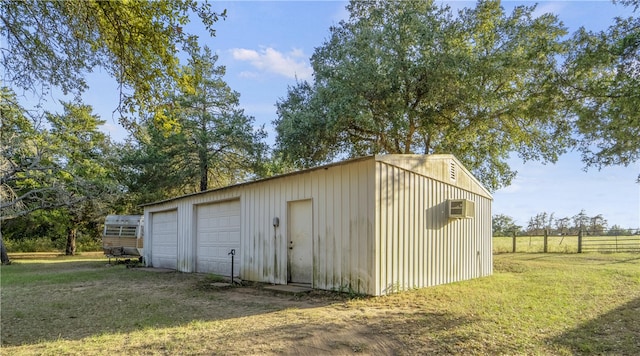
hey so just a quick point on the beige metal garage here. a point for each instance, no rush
(373, 225)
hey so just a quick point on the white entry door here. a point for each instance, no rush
(300, 242)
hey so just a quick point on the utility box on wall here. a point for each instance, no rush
(460, 209)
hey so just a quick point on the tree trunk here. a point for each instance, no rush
(4, 257)
(72, 233)
(204, 179)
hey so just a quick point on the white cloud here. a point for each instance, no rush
(245, 54)
(291, 65)
(248, 75)
(549, 7)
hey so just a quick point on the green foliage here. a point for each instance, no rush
(84, 155)
(616, 230)
(55, 43)
(201, 139)
(34, 245)
(85, 243)
(48, 224)
(57, 172)
(504, 225)
(26, 161)
(46, 230)
(410, 77)
(603, 75)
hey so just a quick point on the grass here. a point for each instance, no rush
(535, 244)
(551, 304)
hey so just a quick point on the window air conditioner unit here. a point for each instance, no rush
(461, 208)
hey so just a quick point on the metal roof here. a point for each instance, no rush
(389, 158)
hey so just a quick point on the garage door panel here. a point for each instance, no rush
(164, 241)
(217, 233)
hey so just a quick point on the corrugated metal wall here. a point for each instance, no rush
(417, 244)
(343, 221)
(343, 208)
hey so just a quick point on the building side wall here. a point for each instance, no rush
(417, 244)
(343, 203)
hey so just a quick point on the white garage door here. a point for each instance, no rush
(164, 239)
(217, 233)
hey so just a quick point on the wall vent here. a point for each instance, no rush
(453, 172)
(460, 208)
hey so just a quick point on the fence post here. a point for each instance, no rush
(580, 241)
(546, 236)
(514, 242)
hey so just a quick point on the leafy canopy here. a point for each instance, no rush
(201, 138)
(603, 75)
(410, 77)
(57, 161)
(56, 43)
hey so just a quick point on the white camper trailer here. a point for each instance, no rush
(123, 237)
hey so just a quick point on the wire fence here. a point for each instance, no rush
(608, 241)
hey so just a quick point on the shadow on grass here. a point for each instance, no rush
(616, 332)
(101, 300)
(391, 334)
(73, 300)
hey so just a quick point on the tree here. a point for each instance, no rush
(25, 164)
(26, 161)
(603, 76)
(410, 77)
(536, 224)
(549, 223)
(617, 230)
(580, 220)
(562, 225)
(504, 225)
(4, 256)
(55, 43)
(209, 141)
(597, 224)
(543, 221)
(58, 162)
(215, 132)
(84, 157)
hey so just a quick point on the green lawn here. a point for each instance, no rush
(563, 304)
(534, 244)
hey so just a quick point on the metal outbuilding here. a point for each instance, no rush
(372, 225)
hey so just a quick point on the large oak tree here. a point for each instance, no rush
(603, 81)
(413, 77)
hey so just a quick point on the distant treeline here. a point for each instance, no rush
(504, 225)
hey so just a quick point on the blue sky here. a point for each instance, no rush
(265, 46)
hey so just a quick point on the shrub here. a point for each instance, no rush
(34, 245)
